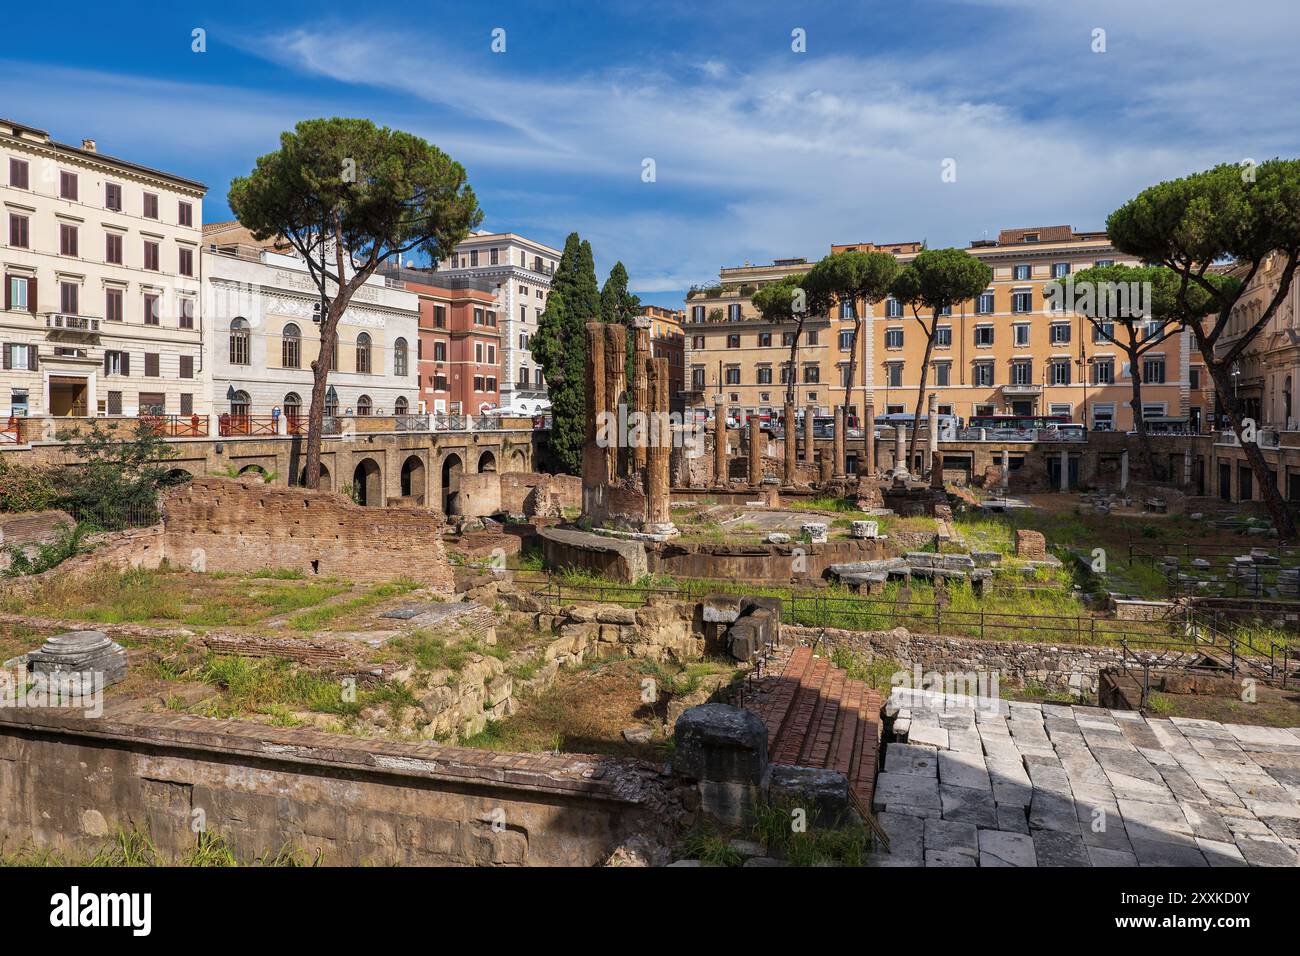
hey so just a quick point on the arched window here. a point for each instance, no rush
(399, 358)
(292, 406)
(363, 352)
(239, 342)
(363, 403)
(334, 354)
(400, 406)
(240, 405)
(291, 347)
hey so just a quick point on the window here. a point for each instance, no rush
(1154, 410)
(401, 406)
(439, 383)
(363, 353)
(117, 363)
(399, 354)
(186, 261)
(846, 340)
(68, 298)
(984, 373)
(524, 379)
(292, 406)
(848, 309)
(334, 353)
(18, 237)
(67, 239)
(811, 337)
(187, 403)
(893, 308)
(478, 383)
(185, 214)
(732, 374)
(1060, 270)
(473, 257)
(115, 403)
(440, 351)
(113, 305)
(113, 196)
(1103, 332)
(697, 313)
(942, 374)
(1104, 262)
(151, 205)
(984, 303)
(1022, 300)
(1103, 371)
(18, 173)
(1060, 333)
(16, 289)
(491, 354)
(893, 338)
(151, 364)
(187, 313)
(1153, 370)
(364, 405)
(20, 357)
(439, 316)
(151, 255)
(493, 256)
(150, 309)
(239, 342)
(1194, 379)
(943, 337)
(1020, 333)
(983, 335)
(812, 374)
(1060, 371)
(490, 384)
(765, 375)
(733, 312)
(478, 353)
(187, 366)
(1021, 273)
(697, 376)
(291, 347)
(490, 318)
(764, 339)
(733, 341)
(894, 374)
(68, 186)
(113, 248)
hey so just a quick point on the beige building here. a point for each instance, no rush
(101, 283)
(1005, 352)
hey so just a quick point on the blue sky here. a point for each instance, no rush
(759, 151)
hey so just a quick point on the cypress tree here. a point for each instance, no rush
(617, 305)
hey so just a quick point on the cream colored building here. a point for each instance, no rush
(101, 282)
(1005, 352)
(262, 318)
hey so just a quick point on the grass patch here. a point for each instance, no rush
(318, 617)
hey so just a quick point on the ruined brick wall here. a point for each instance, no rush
(357, 802)
(217, 524)
(515, 487)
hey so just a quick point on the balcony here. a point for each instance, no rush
(64, 322)
(1022, 391)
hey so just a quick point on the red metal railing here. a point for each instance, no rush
(178, 426)
(229, 424)
(12, 433)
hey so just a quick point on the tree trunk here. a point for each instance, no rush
(320, 383)
(794, 355)
(853, 371)
(1254, 457)
(1139, 422)
(920, 392)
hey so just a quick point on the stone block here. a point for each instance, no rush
(824, 793)
(1055, 848)
(963, 805)
(963, 770)
(998, 848)
(75, 664)
(947, 835)
(725, 749)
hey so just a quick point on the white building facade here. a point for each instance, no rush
(521, 272)
(262, 313)
(101, 272)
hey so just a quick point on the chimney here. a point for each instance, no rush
(88, 145)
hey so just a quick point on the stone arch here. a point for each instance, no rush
(326, 482)
(367, 480)
(518, 460)
(177, 476)
(487, 462)
(255, 469)
(452, 466)
(413, 477)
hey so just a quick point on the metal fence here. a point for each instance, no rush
(118, 517)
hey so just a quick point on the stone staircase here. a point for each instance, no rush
(817, 717)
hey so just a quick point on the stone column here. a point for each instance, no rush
(755, 452)
(1006, 470)
(658, 488)
(1187, 466)
(615, 362)
(595, 461)
(900, 450)
(719, 442)
(791, 440)
(841, 420)
(809, 435)
(869, 439)
(826, 466)
(1123, 470)
(1065, 470)
(640, 379)
(936, 471)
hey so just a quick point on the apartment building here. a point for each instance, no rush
(668, 342)
(519, 271)
(1007, 351)
(262, 314)
(1264, 376)
(460, 343)
(101, 273)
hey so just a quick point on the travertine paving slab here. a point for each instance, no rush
(1006, 849)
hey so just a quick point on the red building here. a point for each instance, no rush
(460, 344)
